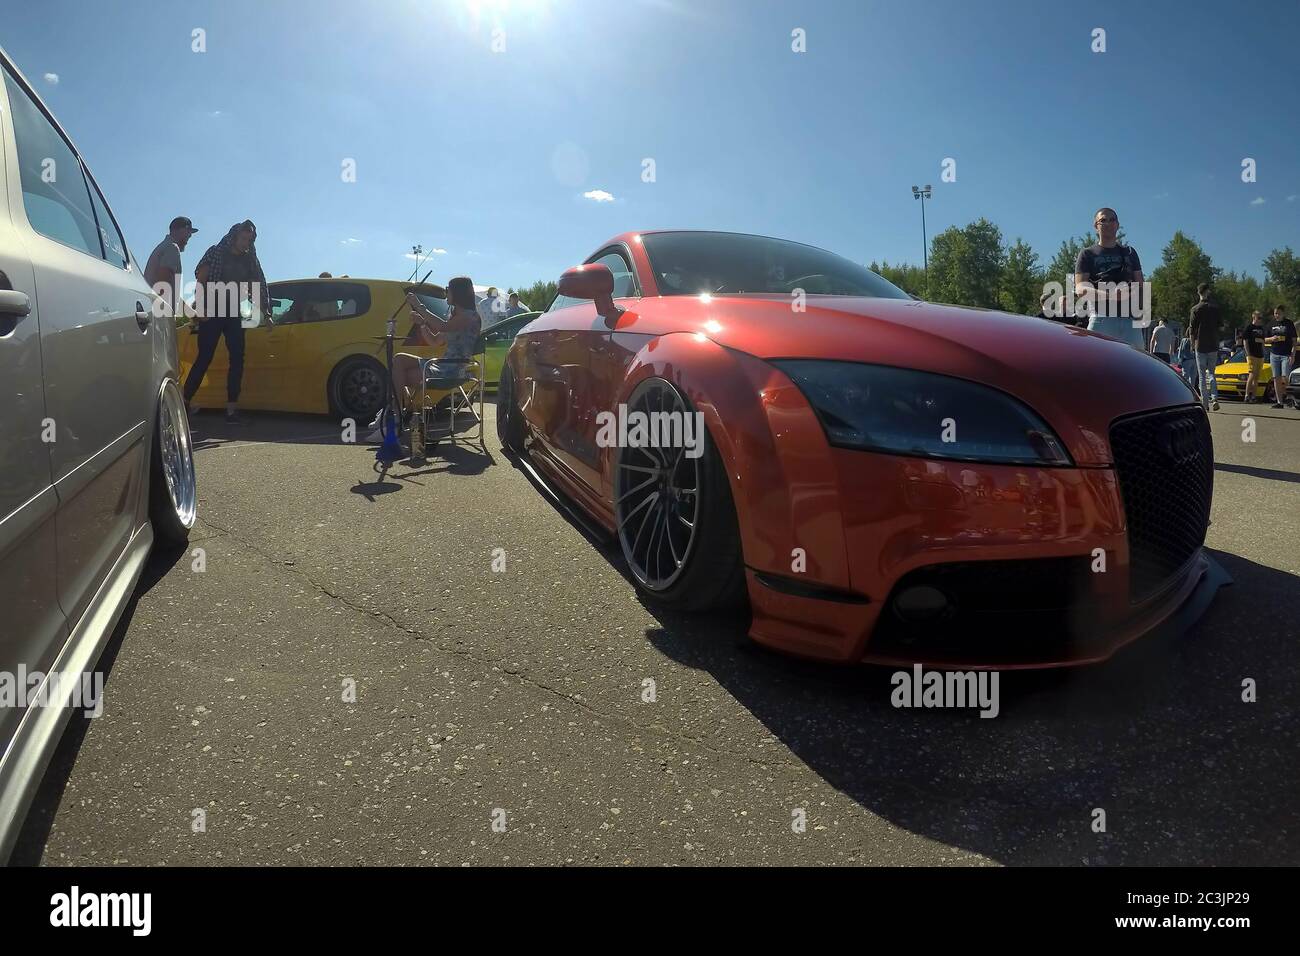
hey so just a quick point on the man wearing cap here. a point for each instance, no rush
(163, 270)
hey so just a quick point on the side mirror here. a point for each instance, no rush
(593, 281)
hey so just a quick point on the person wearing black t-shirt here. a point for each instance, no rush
(1282, 342)
(1252, 338)
(1105, 266)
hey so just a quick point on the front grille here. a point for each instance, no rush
(1165, 464)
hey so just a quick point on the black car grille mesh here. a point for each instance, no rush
(1165, 464)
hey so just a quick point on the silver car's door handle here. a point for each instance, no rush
(142, 315)
(13, 302)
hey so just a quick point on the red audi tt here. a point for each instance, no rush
(882, 479)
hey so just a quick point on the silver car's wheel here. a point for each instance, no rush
(657, 497)
(173, 491)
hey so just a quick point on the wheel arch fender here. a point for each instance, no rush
(778, 462)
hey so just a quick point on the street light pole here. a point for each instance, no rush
(416, 251)
(923, 194)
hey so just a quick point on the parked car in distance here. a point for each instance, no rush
(497, 341)
(323, 351)
(1230, 376)
(95, 457)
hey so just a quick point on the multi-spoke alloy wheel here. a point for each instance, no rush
(173, 495)
(657, 494)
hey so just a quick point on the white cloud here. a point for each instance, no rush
(1292, 198)
(52, 79)
(1160, 196)
(348, 241)
(425, 254)
(1257, 201)
(598, 195)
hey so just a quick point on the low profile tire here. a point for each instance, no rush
(356, 389)
(675, 516)
(510, 426)
(173, 493)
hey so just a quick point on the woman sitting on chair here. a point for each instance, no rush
(460, 330)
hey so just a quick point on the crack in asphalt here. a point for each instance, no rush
(390, 621)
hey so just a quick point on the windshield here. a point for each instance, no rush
(434, 304)
(691, 263)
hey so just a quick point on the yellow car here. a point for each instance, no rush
(1231, 376)
(323, 352)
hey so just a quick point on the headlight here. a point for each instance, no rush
(905, 412)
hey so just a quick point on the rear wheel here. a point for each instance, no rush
(676, 519)
(356, 389)
(173, 494)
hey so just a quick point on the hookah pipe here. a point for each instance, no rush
(391, 448)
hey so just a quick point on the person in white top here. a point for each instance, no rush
(1162, 341)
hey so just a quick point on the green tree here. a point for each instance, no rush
(1282, 269)
(1238, 296)
(909, 278)
(966, 265)
(536, 296)
(1021, 280)
(1061, 268)
(1183, 266)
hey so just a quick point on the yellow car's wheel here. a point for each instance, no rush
(356, 388)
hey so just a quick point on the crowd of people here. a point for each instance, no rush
(1112, 265)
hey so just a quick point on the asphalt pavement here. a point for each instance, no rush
(341, 677)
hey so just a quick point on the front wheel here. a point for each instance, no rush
(676, 519)
(173, 494)
(510, 427)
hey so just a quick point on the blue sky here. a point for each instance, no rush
(487, 155)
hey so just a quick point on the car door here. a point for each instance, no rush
(34, 626)
(325, 319)
(94, 324)
(267, 348)
(575, 370)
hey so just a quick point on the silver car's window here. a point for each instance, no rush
(109, 237)
(55, 194)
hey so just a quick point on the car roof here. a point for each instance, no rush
(402, 283)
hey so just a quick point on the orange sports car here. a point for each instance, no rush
(880, 479)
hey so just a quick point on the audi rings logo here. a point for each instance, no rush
(1178, 441)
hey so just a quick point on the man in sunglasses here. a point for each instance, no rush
(1107, 265)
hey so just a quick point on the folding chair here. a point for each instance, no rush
(463, 378)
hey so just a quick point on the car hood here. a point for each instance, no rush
(1078, 381)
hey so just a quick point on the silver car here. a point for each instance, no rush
(95, 458)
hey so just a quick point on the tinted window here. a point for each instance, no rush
(318, 301)
(719, 263)
(54, 189)
(109, 236)
(434, 304)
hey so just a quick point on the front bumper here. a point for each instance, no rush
(1019, 538)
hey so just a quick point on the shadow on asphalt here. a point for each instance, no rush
(1271, 474)
(40, 817)
(446, 459)
(209, 430)
(1159, 737)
